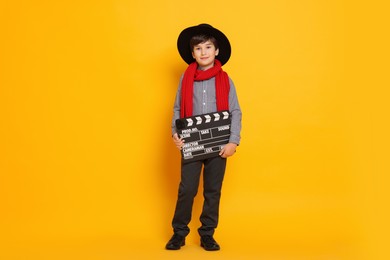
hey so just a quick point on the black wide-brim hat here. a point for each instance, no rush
(183, 42)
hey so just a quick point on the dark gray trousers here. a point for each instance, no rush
(213, 173)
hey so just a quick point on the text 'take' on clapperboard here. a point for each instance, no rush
(204, 135)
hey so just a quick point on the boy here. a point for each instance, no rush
(204, 88)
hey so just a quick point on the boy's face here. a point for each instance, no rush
(204, 54)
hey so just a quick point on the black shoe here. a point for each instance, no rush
(208, 243)
(175, 242)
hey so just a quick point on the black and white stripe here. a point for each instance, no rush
(202, 119)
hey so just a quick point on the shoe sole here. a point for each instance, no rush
(175, 248)
(209, 249)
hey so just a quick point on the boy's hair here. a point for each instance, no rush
(195, 40)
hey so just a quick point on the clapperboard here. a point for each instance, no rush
(204, 135)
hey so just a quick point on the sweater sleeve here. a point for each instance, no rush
(176, 108)
(235, 110)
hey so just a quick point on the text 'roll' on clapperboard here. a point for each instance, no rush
(204, 135)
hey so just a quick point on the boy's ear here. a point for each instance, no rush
(216, 52)
(193, 56)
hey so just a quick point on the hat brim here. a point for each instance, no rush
(183, 42)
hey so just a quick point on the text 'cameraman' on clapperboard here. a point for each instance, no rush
(204, 135)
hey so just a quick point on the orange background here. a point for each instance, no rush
(87, 166)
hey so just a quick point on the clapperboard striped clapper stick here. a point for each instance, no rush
(204, 135)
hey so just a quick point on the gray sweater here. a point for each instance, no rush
(204, 102)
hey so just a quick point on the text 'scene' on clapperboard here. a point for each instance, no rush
(204, 135)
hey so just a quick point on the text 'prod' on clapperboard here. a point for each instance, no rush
(204, 135)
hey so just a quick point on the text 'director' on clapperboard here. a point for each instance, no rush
(204, 135)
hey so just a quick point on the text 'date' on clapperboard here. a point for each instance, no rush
(204, 135)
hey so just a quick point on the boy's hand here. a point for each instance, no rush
(179, 142)
(228, 150)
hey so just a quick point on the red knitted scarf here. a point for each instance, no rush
(192, 74)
